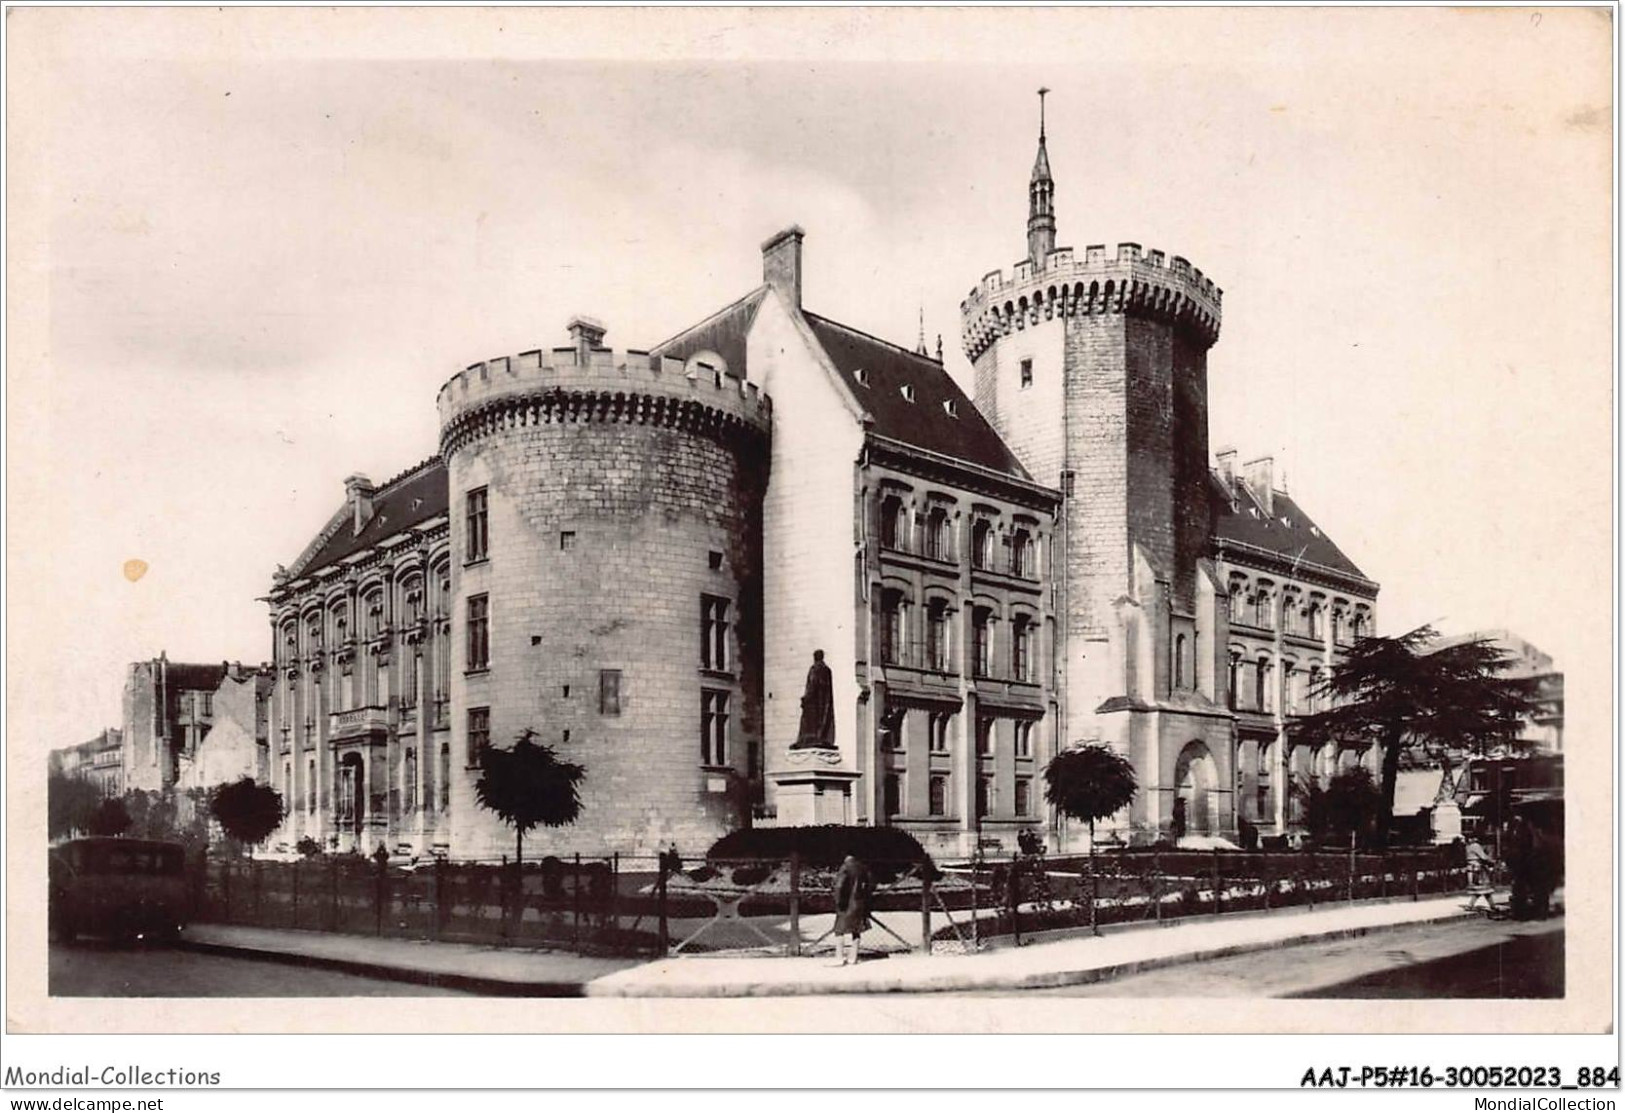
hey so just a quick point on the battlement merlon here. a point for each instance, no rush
(601, 371)
(1128, 279)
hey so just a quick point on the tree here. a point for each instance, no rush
(247, 811)
(70, 802)
(528, 785)
(111, 817)
(1395, 691)
(1089, 783)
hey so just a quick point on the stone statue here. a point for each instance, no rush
(817, 708)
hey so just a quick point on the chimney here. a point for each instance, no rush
(358, 492)
(1260, 479)
(1226, 456)
(781, 263)
(586, 334)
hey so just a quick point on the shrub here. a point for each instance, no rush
(887, 851)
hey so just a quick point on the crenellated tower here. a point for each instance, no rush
(1094, 370)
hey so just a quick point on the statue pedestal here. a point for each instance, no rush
(813, 789)
(1446, 821)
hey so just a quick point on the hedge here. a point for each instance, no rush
(887, 851)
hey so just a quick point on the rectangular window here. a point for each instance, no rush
(894, 795)
(982, 641)
(609, 691)
(984, 737)
(1024, 738)
(409, 678)
(713, 633)
(1026, 373)
(939, 732)
(1024, 797)
(208, 703)
(445, 775)
(984, 797)
(409, 781)
(891, 627)
(310, 787)
(479, 734)
(479, 633)
(939, 794)
(713, 728)
(567, 540)
(478, 525)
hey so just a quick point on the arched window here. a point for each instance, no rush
(893, 523)
(1261, 685)
(1312, 694)
(1021, 554)
(936, 635)
(1261, 609)
(982, 544)
(1237, 603)
(409, 781)
(1339, 626)
(936, 534)
(982, 641)
(1316, 620)
(891, 627)
(1233, 688)
(1179, 661)
(1021, 633)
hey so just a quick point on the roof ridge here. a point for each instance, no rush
(878, 340)
(409, 473)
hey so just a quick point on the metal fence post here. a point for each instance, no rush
(1309, 883)
(333, 895)
(1416, 881)
(795, 902)
(576, 900)
(925, 911)
(379, 881)
(1218, 895)
(1156, 881)
(254, 875)
(439, 896)
(225, 886)
(975, 901)
(1351, 869)
(502, 899)
(615, 894)
(660, 904)
(295, 885)
(1012, 897)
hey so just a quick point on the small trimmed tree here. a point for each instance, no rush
(247, 811)
(1353, 804)
(529, 786)
(70, 802)
(1090, 783)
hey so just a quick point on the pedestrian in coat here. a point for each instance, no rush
(853, 885)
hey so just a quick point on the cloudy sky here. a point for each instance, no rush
(247, 247)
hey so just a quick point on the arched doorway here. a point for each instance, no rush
(1196, 785)
(351, 798)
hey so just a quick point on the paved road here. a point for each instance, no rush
(95, 969)
(1483, 958)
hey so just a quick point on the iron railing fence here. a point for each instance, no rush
(628, 905)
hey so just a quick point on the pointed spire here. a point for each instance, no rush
(919, 348)
(1040, 198)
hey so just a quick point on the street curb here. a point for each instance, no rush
(474, 983)
(968, 981)
(972, 982)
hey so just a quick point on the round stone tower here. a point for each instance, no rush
(606, 586)
(1094, 370)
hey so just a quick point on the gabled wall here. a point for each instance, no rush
(809, 547)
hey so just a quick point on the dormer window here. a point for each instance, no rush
(861, 376)
(908, 392)
(951, 407)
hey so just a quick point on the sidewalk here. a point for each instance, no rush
(1044, 963)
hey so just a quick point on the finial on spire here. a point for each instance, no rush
(1043, 91)
(920, 348)
(939, 347)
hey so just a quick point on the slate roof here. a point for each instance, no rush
(924, 422)
(412, 497)
(1287, 533)
(723, 332)
(182, 677)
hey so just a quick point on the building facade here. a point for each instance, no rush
(172, 710)
(873, 600)
(99, 761)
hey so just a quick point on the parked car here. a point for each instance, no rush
(119, 888)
